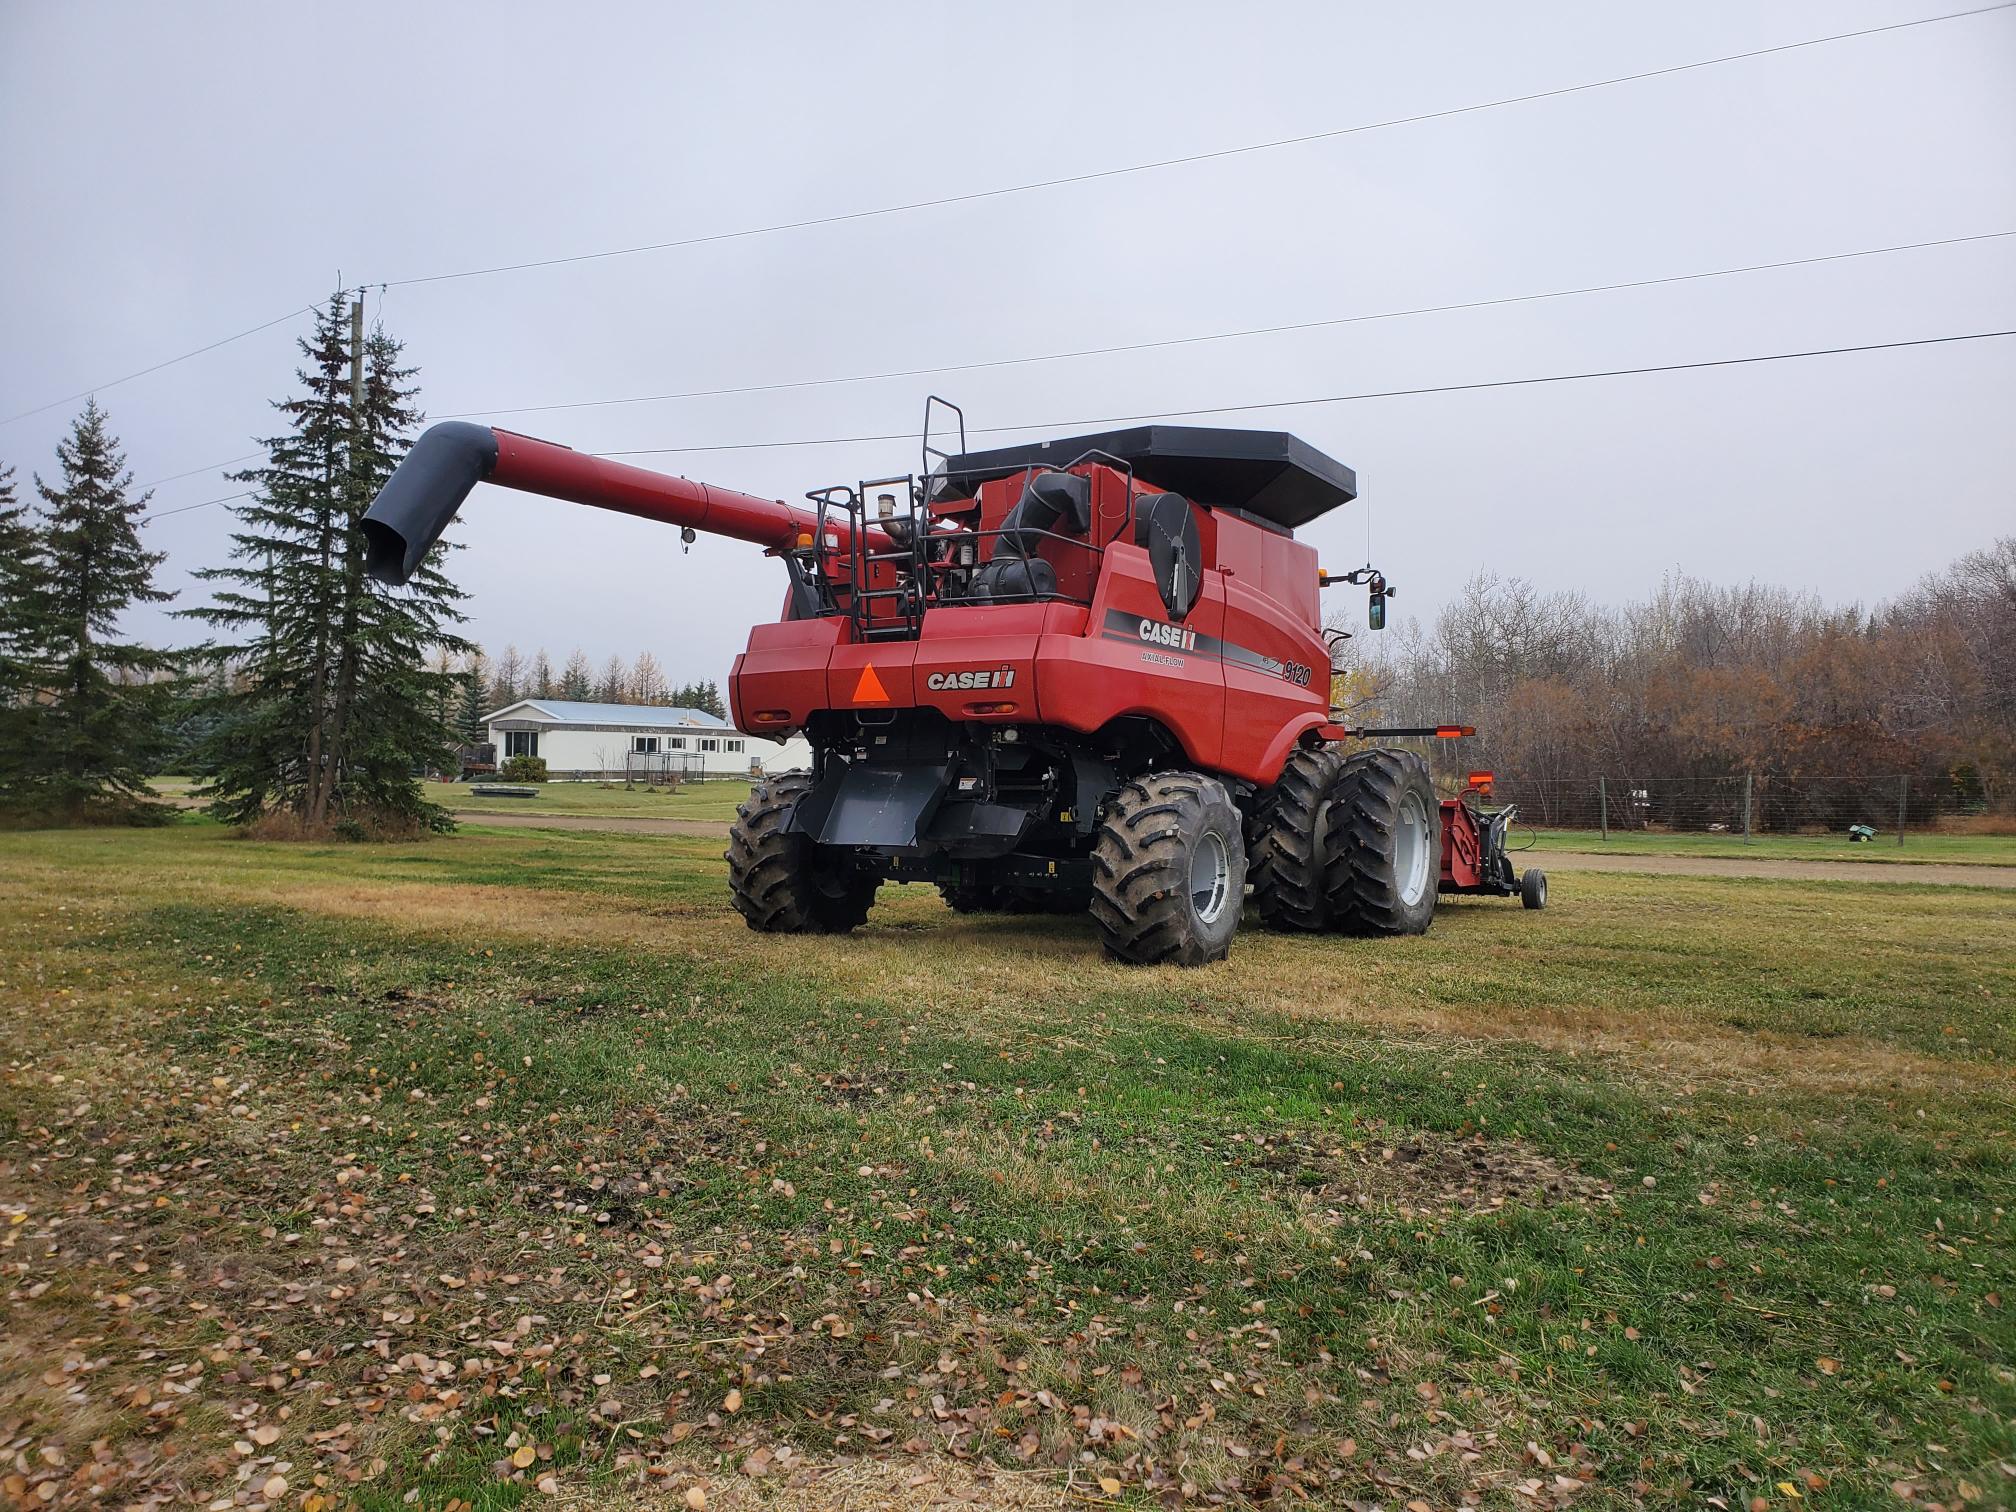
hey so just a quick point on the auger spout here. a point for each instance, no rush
(421, 497)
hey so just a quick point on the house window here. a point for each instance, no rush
(647, 744)
(734, 745)
(710, 745)
(520, 743)
(675, 742)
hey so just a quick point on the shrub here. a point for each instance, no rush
(525, 769)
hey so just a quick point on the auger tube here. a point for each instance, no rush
(426, 489)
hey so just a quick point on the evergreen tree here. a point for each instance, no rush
(338, 708)
(21, 575)
(577, 682)
(99, 719)
(470, 728)
(540, 682)
(707, 699)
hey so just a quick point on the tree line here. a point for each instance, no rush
(512, 676)
(1708, 682)
(319, 698)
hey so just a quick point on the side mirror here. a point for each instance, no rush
(1375, 608)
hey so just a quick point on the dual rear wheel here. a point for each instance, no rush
(1350, 844)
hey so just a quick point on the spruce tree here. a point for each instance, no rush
(99, 720)
(20, 592)
(540, 682)
(577, 682)
(337, 708)
(475, 695)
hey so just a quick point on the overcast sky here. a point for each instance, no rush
(172, 174)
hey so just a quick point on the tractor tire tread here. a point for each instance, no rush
(1360, 882)
(1140, 876)
(770, 868)
(1288, 861)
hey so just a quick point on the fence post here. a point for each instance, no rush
(1903, 798)
(1749, 780)
(1603, 804)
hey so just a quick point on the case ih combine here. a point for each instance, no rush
(1081, 674)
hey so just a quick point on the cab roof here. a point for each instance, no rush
(1270, 475)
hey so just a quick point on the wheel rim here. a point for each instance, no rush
(1411, 849)
(1210, 876)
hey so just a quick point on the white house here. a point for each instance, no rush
(604, 740)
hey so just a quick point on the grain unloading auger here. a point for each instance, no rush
(1079, 674)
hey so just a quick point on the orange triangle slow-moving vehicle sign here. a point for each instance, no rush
(870, 689)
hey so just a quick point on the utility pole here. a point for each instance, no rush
(356, 369)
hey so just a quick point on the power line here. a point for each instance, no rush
(1236, 335)
(99, 388)
(1039, 184)
(1230, 409)
(162, 514)
(207, 467)
(1156, 164)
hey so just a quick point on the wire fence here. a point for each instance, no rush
(1750, 805)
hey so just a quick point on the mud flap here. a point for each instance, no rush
(862, 804)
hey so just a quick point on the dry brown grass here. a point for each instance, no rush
(854, 1485)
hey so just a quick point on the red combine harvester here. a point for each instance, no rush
(1081, 674)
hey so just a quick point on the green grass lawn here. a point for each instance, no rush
(442, 1169)
(1982, 850)
(699, 800)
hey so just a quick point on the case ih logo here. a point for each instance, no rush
(1175, 637)
(966, 682)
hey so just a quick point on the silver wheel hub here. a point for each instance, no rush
(1411, 850)
(1210, 876)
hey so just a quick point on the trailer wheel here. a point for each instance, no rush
(1292, 834)
(784, 883)
(1169, 871)
(1384, 856)
(1533, 887)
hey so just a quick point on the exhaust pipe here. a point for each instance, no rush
(425, 490)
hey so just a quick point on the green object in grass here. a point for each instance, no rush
(1860, 832)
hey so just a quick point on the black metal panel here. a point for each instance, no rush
(1271, 475)
(881, 805)
(968, 827)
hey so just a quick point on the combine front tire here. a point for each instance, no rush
(782, 882)
(1384, 852)
(1292, 836)
(1169, 871)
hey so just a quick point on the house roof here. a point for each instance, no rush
(641, 716)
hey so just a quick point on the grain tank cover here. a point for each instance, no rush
(1271, 475)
